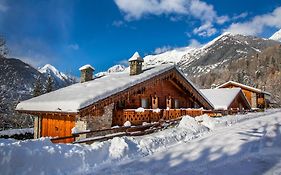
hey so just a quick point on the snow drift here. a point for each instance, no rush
(43, 157)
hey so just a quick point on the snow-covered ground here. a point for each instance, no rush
(241, 144)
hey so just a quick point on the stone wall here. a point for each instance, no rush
(91, 122)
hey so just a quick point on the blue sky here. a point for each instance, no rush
(71, 33)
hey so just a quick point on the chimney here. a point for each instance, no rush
(135, 63)
(86, 73)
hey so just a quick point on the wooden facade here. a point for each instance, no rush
(256, 97)
(161, 97)
(165, 96)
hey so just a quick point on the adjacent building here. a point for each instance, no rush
(256, 97)
(227, 100)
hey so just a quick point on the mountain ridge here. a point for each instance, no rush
(17, 80)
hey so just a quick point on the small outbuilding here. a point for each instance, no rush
(227, 99)
(256, 97)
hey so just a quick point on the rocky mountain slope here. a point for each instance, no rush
(17, 81)
(217, 53)
(262, 70)
(250, 60)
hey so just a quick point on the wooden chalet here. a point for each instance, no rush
(256, 97)
(137, 95)
(227, 100)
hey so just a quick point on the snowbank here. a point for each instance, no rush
(30, 157)
(214, 123)
(192, 124)
(78, 159)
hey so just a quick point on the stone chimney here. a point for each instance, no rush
(86, 73)
(135, 63)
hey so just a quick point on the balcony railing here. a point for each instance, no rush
(151, 115)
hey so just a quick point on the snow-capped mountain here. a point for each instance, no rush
(60, 79)
(172, 56)
(221, 51)
(49, 69)
(113, 69)
(217, 53)
(116, 68)
(276, 36)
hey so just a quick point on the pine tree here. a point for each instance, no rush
(49, 85)
(37, 88)
(3, 47)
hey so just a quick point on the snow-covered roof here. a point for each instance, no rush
(86, 67)
(221, 98)
(80, 95)
(244, 86)
(136, 57)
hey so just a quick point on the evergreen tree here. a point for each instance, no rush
(49, 85)
(240, 77)
(3, 47)
(37, 88)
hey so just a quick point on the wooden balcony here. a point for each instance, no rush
(151, 115)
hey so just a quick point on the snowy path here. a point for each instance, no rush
(249, 147)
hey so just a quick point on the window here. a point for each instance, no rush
(169, 102)
(177, 104)
(154, 100)
(121, 104)
(144, 103)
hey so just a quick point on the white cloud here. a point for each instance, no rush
(205, 30)
(222, 19)
(257, 24)
(34, 62)
(123, 62)
(73, 46)
(162, 49)
(135, 10)
(194, 43)
(240, 16)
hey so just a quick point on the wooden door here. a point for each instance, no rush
(57, 126)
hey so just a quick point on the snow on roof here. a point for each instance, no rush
(244, 86)
(221, 98)
(136, 57)
(86, 67)
(80, 95)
